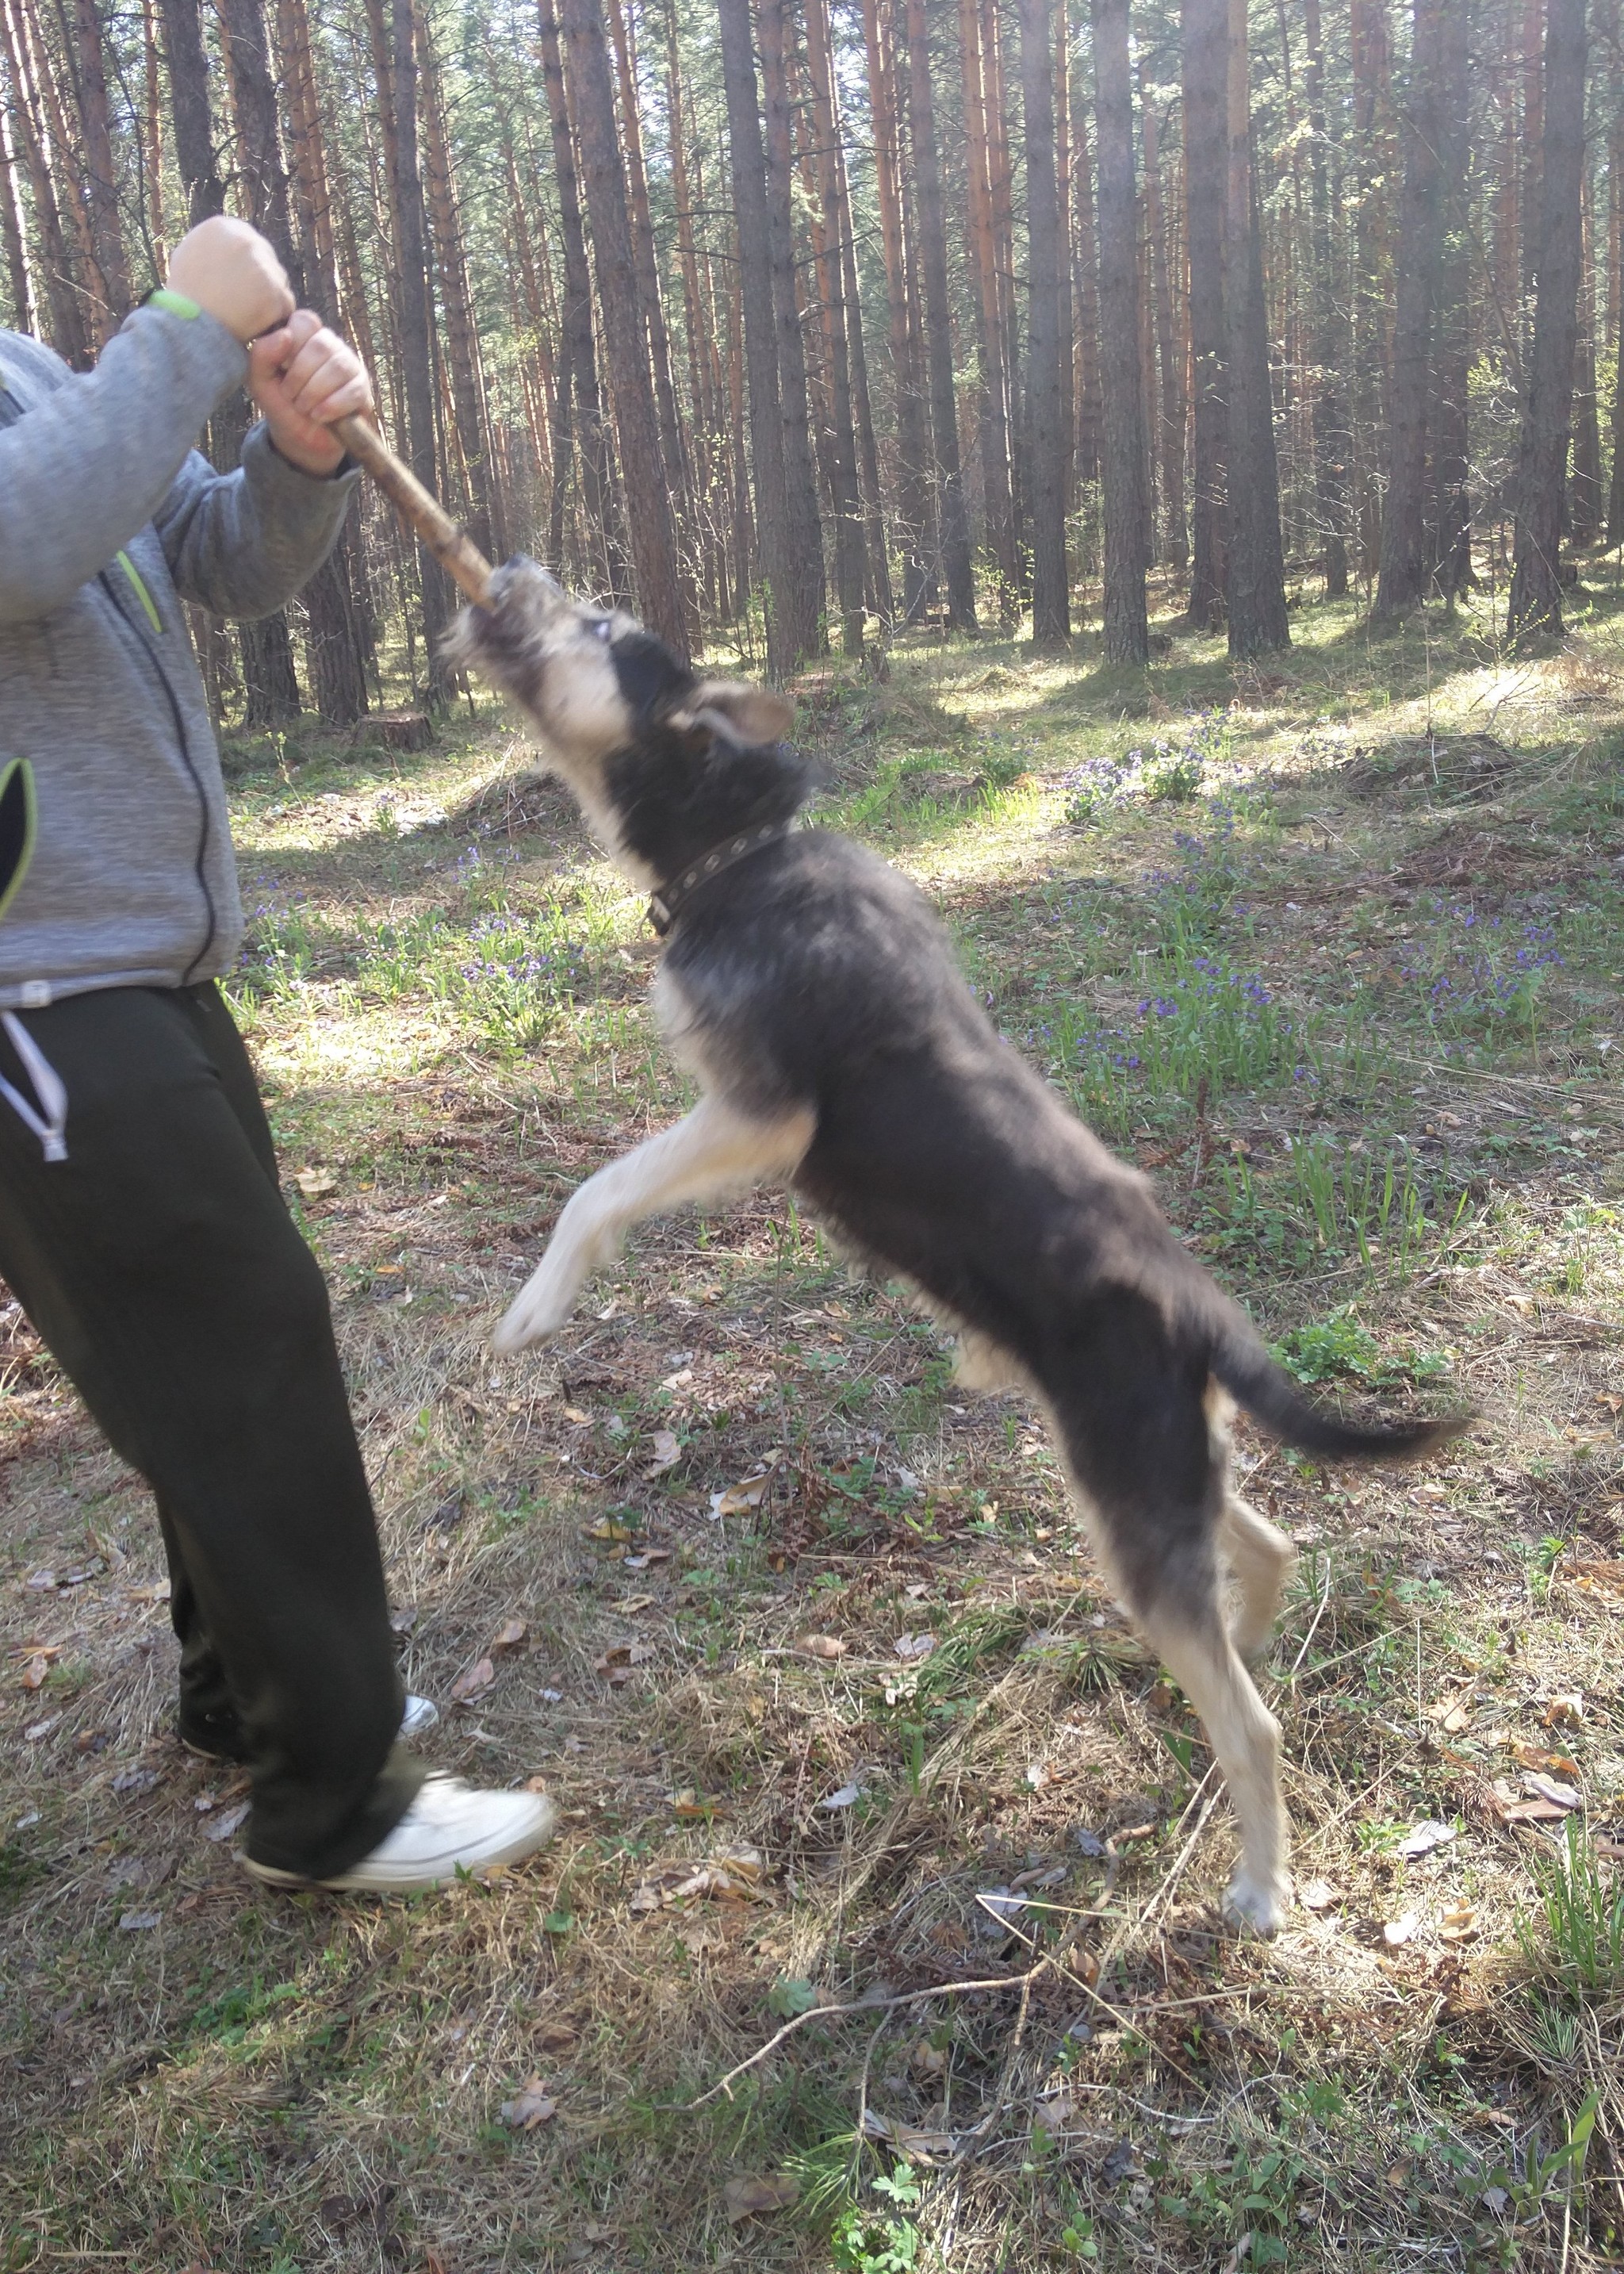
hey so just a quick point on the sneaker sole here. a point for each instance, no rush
(377, 1881)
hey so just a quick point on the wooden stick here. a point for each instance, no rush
(462, 561)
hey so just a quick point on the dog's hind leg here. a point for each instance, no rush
(716, 1149)
(1261, 1557)
(1245, 1737)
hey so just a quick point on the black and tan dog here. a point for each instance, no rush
(813, 994)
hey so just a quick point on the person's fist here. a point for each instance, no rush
(233, 274)
(304, 378)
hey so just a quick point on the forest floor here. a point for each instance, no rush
(805, 1641)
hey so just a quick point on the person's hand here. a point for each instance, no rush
(233, 274)
(304, 377)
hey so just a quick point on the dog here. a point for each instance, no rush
(811, 991)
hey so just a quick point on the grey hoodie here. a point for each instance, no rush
(109, 519)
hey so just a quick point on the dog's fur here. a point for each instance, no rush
(812, 992)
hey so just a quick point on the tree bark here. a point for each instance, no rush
(460, 348)
(748, 156)
(805, 562)
(1256, 580)
(831, 283)
(1086, 297)
(1051, 615)
(1450, 514)
(1372, 143)
(1174, 408)
(1330, 332)
(1536, 608)
(417, 338)
(69, 334)
(579, 400)
(648, 482)
(953, 518)
(12, 226)
(1585, 500)
(1205, 24)
(1127, 638)
(1403, 580)
(913, 500)
(96, 157)
(989, 344)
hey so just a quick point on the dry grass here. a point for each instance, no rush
(260, 2083)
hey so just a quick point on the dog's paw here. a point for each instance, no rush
(1259, 1904)
(535, 1315)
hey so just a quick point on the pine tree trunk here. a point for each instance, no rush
(95, 154)
(881, 599)
(1206, 34)
(784, 635)
(67, 333)
(62, 161)
(1585, 506)
(1449, 531)
(1256, 580)
(460, 346)
(416, 323)
(1127, 638)
(1051, 614)
(12, 229)
(648, 483)
(1331, 439)
(995, 406)
(1175, 411)
(1536, 608)
(805, 562)
(579, 400)
(1404, 563)
(843, 440)
(1372, 143)
(1086, 287)
(953, 518)
(913, 500)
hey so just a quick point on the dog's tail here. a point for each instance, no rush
(1267, 1392)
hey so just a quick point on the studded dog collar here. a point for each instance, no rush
(667, 904)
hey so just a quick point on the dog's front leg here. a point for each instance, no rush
(716, 1149)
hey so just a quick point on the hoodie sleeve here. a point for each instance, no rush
(243, 543)
(94, 461)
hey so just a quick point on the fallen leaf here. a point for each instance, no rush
(1534, 1757)
(1453, 1715)
(667, 1453)
(35, 1673)
(911, 2139)
(915, 1645)
(929, 2059)
(621, 1659)
(1566, 1797)
(1318, 1895)
(530, 2108)
(138, 1922)
(473, 1684)
(1459, 1924)
(1564, 1712)
(822, 1645)
(1422, 1838)
(641, 1562)
(846, 1798)
(314, 1182)
(610, 1528)
(555, 2036)
(740, 1499)
(135, 1780)
(224, 1826)
(1494, 2201)
(750, 2198)
(1398, 1931)
(688, 1803)
(36, 1730)
(41, 1580)
(1039, 1774)
(734, 1876)
(510, 1636)
(574, 1413)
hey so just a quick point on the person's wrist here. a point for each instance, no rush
(319, 461)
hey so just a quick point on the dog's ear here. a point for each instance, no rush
(752, 716)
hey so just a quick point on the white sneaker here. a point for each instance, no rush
(450, 1826)
(421, 1714)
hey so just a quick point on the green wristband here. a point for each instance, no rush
(175, 303)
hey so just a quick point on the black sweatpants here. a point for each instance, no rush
(161, 1269)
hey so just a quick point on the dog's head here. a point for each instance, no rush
(592, 679)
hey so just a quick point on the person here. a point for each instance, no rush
(142, 1227)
